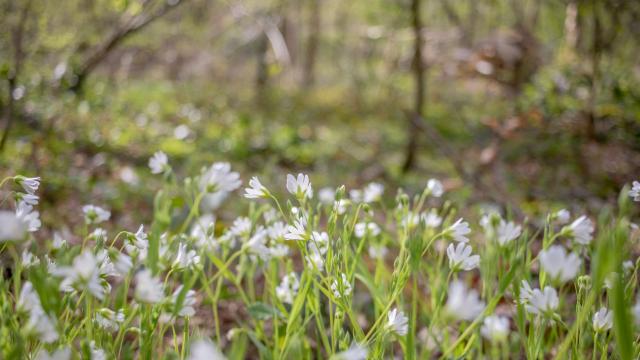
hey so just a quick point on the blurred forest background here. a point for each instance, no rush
(524, 103)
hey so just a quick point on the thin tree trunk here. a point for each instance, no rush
(420, 87)
(571, 25)
(312, 44)
(12, 78)
(596, 51)
(262, 67)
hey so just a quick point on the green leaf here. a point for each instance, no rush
(623, 329)
(262, 311)
(264, 352)
(238, 347)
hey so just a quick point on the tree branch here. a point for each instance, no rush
(127, 28)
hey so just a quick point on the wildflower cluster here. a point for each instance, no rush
(342, 275)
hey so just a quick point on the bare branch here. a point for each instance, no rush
(127, 28)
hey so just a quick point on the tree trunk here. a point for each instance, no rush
(308, 76)
(420, 87)
(596, 51)
(571, 25)
(17, 38)
(262, 68)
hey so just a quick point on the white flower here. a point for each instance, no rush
(30, 185)
(495, 328)
(581, 230)
(256, 190)
(149, 289)
(96, 352)
(28, 216)
(28, 259)
(460, 257)
(141, 238)
(435, 187)
(507, 232)
(317, 247)
(257, 245)
(563, 216)
(602, 320)
(355, 195)
(105, 265)
(123, 263)
(204, 350)
(462, 303)
(219, 179)
(278, 250)
(526, 292)
(431, 219)
(315, 259)
(29, 199)
(60, 354)
(185, 258)
(277, 231)
(298, 230)
(341, 286)
(319, 242)
(29, 298)
(490, 220)
(39, 323)
(366, 228)
(109, 320)
(158, 163)
(83, 274)
(340, 206)
(43, 325)
(300, 186)
(271, 215)
(52, 267)
(372, 192)
(11, 227)
(411, 220)
(558, 264)
(397, 322)
(241, 226)
(635, 191)
(288, 288)
(99, 235)
(58, 241)
(459, 231)
(212, 201)
(95, 214)
(543, 302)
(354, 352)
(138, 245)
(203, 231)
(187, 309)
(326, 195)
(378, 251)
